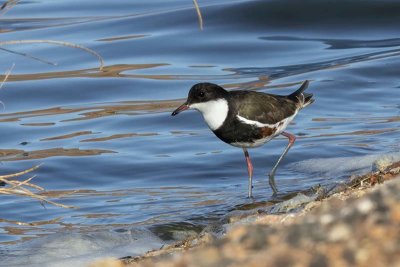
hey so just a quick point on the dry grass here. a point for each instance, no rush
(10, 186)
(14, 42)
(8, 72)
(10, 4)
(25, 188)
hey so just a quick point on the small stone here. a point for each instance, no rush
(272, 219)
(326, 219)
(182, 235)
(362, 256)
(339, 232)
(107, 262)
(382, 163)
(365, 206)
(206, 238)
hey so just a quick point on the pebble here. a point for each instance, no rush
(365, 206)
(339, 232)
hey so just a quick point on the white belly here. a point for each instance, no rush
(280, 127)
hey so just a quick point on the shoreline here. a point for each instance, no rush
(355, 224)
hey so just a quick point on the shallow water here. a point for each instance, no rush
(110, 147)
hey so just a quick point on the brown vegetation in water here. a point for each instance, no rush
(10, 4)
(9, 183)
(11, 186)
(25, 188)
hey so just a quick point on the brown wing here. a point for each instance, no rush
(261, 107)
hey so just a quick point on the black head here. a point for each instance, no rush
(200, 93)
(204, 92)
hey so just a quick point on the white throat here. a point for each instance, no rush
(214, 112)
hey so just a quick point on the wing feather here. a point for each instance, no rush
(261, 107)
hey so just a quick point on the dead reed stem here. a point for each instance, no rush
(196, 5)
(10, 186)
(28, 56)
(7, 74)
(7, 6)
(25, 188)
(88, 50)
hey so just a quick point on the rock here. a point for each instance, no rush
(293, 203)
(382, 163)
(339, 232)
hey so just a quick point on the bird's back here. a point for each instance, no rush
(262, 107)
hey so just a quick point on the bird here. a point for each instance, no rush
(247, 119)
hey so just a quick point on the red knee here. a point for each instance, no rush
(291, 137)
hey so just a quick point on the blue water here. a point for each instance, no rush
(106, 139)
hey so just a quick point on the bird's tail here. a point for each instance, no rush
(303, 99)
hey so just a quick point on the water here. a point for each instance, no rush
(140, 177)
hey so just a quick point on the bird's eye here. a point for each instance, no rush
(201, 94)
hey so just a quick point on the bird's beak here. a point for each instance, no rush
(181, 108)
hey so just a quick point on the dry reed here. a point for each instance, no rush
(7, 6)
(25, 188)
(196, 5)
(10, 4)
(10, 186)
(8, 183)
(88, 50)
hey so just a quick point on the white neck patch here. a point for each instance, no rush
(214, 112)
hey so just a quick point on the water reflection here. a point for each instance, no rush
(341, 43)
(92, 112)
(14, 154)
(117, 136)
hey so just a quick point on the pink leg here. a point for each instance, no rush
(292, 138)
(250, 171)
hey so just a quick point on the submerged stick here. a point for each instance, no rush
(11, 3)
(28, 56)
(88, 50)
(8, 72)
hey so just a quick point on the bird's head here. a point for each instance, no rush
(201, 97)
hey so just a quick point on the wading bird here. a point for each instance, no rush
(247, 119)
